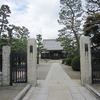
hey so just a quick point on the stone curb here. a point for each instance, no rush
(94, 91)
(22, 93)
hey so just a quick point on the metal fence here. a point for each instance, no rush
(18, 67)
(0, 62)
(95, 54)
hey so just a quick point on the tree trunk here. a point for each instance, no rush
(38, 58)
(77, 39)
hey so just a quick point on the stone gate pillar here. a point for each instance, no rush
(85, 59)
(6, 65)
(31, 62)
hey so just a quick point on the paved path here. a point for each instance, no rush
(58, 86)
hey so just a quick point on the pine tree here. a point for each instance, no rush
(69, 15)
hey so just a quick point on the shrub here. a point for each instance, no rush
(68, 61)
(76, 63)
(63, 61)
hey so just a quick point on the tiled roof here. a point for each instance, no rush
(52, 44)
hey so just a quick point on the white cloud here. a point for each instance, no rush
(39, 16)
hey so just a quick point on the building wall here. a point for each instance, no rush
(53, 55)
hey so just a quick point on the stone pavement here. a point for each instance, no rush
(58, 86)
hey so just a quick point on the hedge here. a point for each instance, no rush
(76, 63)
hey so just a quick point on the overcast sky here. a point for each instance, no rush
(39, 16)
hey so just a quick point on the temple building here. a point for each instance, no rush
(52, 49)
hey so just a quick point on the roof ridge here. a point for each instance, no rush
(48, 39)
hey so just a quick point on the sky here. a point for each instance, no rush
(39, 16)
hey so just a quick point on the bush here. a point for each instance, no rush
(76, 63)
(63, 61)
(68, 61)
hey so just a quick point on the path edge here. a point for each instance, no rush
(93, 91)
(23, 92)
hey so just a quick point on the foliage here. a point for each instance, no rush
(4, 13)
(65, 39)
(92, 28)
(68, 43)
(69, 15)
(63, 61)
(14, 36)
(39, 46)
(68, 61)
(93, 6)
(76, 63)
(19, 39)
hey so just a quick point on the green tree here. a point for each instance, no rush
(4, 13)
(19, 38)
(68, 43)
(69, 15)
(39, 46)
(92, 28)
(92, 6)
(14, 36)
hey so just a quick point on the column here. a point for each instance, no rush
(6, 65)
(85, 59)
(32, 62)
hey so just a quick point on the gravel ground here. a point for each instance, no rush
(43, 69)
(10, 92)
(72, 74)
(45, 65)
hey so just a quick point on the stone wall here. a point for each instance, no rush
(0, 78)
